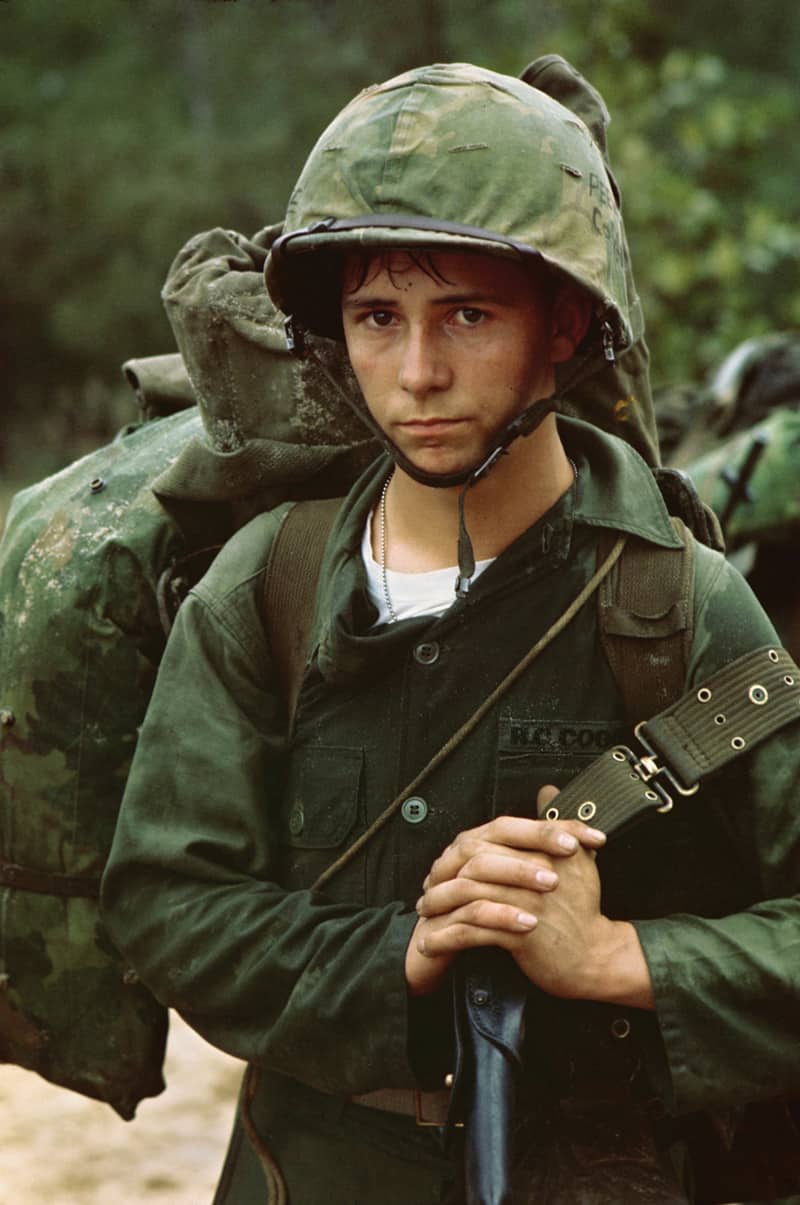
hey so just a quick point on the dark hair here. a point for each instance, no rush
(372, 263)
(318, 277)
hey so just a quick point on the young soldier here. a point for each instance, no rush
(459, 230)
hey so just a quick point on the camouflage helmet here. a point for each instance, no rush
(453, 157)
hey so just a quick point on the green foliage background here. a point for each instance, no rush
(128, 125)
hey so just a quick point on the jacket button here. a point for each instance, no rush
(296, 820)
(414, 810)
(427, 652)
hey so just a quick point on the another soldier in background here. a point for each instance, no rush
(739, 440)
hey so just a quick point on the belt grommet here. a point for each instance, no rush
(587, 810)
(552, 814)
(758, 694)
(620, 1028)
(773, 656)
(738, 742)
(703, 695)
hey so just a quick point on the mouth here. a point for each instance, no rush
(431, 426)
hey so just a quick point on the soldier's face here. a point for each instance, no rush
(447, 349)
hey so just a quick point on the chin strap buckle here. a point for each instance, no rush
(295, 337)
(608, 342)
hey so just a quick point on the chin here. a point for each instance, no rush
(443, 465)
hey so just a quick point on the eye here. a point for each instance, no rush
(469, 316)
(380, 318)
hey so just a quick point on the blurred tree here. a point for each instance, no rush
(130, 124)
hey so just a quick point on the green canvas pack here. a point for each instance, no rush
(93, 563)
(750, 479)
(80, 639)
(92, 560)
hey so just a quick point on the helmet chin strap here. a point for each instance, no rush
(523, 424)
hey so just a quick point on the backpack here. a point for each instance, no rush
(92, 562)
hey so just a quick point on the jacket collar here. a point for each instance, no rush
(615, 487)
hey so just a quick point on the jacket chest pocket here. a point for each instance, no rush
(320, 803)
(318, 814)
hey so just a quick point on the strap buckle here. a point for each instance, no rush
(649, 769)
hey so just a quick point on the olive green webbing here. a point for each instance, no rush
(727, 714)
(290, 592)
(45, 882)
(646, 621)
(731, 712)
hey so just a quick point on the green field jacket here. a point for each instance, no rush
(223, 830)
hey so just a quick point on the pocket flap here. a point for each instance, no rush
(321, 800)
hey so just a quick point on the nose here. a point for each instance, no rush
(423, 366)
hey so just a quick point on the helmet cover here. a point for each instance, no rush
(453, 157)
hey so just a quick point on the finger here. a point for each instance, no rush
(534, 872)
(508, 835)
(550, 836)
(460, 931)
(455, 856)
(447, 897)
(546, 795)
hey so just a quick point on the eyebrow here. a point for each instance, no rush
(376, 303)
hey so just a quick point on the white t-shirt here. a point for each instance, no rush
(412, 594)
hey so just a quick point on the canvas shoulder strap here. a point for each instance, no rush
(646, 622)
(290, 589)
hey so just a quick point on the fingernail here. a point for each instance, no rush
(547, 878)
(597, 834)
(567, 841)
(526, 920)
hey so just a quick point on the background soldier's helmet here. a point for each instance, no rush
(454, 157)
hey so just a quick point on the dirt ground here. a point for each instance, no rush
(60, 1148)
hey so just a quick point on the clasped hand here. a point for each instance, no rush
(528, 886)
